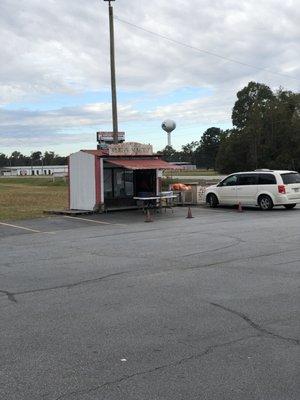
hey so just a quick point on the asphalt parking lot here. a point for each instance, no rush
(110, 307)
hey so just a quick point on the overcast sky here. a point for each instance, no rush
(55, 76)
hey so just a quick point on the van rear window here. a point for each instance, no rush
(292, 177)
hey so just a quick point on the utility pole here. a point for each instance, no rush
(113, 72)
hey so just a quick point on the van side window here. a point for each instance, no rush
(266, 179)
(230, 181)
(247, 179)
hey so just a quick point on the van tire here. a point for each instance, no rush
(212, 200)
(265, 202)
(290, 206)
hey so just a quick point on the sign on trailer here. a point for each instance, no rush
(108, 137)
(130, 149)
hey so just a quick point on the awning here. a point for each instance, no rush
(135, 164)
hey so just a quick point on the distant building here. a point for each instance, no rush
(57, 170)
(184, 165)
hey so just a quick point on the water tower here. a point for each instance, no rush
(168, 125)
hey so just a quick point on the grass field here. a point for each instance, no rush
(22, 198)
(27, 197)
(196, 172)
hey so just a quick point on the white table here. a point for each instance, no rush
(148, 201)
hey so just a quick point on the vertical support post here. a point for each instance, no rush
(102, 180)
(113, 73)
(169, 139)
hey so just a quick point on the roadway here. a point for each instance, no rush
(111, 307)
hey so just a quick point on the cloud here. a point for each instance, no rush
(48, 126)
(62, 47)
(51, 126)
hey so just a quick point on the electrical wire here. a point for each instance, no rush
(210, 53)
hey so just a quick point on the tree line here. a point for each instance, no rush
(265, 134)
(17, 159)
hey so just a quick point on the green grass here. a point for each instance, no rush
(197, 172)
(34, 181)
(22, 198)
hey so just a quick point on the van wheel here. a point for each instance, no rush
(290, 206)
(212, 200)
(265, 202)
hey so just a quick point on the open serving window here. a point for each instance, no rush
(121, 185)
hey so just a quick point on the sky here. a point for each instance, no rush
(174, 60)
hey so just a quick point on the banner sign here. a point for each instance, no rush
(108, 137)
(130, 149)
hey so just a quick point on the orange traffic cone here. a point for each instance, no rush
(189, 214)
(240, 208)
(148, 216)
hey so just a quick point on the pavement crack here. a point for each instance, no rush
(121, 233)
(289, 262)
(255, 325)
(10, 296)
(236, 243)
(211, 250)
(215, 264)
(124, 378)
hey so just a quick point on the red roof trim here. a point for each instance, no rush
(138, 163)
(98, 153)
(104, 153)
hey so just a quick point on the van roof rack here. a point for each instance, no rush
(263, 170)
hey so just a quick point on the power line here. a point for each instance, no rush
(210, 53)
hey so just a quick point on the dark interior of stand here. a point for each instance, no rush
(122, 185)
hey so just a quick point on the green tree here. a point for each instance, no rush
(287, 119)
(253, 99)
(3, 160)
(49, 157)
(36, 156)
(17, 159)
(267, 131)
(168, 154)
(233, 154)
(209, 146)
(188, 152)
(59, 160)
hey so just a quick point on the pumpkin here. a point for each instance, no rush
(180, 187)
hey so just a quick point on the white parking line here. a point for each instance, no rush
(20, 227)
(92, 220)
